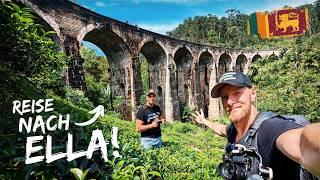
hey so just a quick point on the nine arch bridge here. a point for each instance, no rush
(182, 73)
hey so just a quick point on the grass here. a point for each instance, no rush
(188, 152)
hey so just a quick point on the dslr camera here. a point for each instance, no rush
(240, 162)
(157, 119)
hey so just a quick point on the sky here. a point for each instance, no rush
(161, 16)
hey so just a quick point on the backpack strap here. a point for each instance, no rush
(231, 133)
(262, 116)
(251, 136)
(251, 139)
(298, 119)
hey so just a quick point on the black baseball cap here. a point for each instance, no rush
(234, 78)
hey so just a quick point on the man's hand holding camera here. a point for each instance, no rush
(157, 121)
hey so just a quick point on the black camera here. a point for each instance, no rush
(241, 162)
(157, 119)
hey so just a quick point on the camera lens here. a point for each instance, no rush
(227, 170)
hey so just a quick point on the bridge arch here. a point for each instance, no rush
(85, 30)
(183, 61)
(82, 33)
(119, 60)
(224, 64)
(204, 72)
(255, 58)
(273, 57)
(108, 41)
(181, 47)
(156, 61)
(154, 52)
(145, 41)
(241, 62)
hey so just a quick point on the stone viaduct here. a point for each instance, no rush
(182, 73)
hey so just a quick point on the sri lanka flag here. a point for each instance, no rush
(280, 23)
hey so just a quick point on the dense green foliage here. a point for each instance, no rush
(97, 78)
(12, 154)
(181, 157)
(225, 31)
(144, 73)
(30, 66)
(230, 31)
(26, 48)
(314, 16)
(291, 84)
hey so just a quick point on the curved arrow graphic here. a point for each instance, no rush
(98, 111)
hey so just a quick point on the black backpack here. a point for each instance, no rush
(251, 139)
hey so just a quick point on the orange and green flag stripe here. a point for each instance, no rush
(258, 24)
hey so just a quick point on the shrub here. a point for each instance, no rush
(78, 97)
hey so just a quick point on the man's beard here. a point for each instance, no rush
(237, 114)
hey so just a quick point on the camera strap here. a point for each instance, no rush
(251, 139)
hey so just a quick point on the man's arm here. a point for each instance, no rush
(303, 146)
(218, 128)
(142, 128)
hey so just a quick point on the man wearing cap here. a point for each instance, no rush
(148, 121)
(282, 144)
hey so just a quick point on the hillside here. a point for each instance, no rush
(231, 29)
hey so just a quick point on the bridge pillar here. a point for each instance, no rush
(168, 94)
(173, 87)
(246, 68)
(197, 86)
(136, 82)
(193, 99)
(214, 104)
(75, 74)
